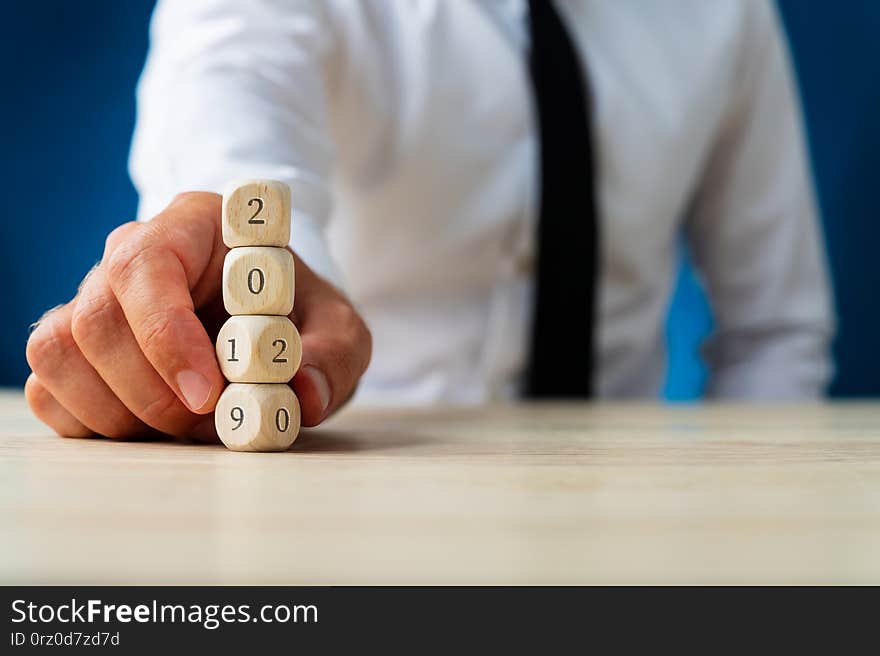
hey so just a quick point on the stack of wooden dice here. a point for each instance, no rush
(258, 348)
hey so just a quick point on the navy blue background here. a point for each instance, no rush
(69, 70)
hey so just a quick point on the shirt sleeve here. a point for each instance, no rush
(236, 90)
(755, 235)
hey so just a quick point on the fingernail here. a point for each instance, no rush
(319, 380)
(195, 388)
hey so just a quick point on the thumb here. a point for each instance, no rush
(336, 346)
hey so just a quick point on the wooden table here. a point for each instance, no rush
(517, 494)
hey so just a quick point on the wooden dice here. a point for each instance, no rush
(258, 348)
(258, 280)
(262, 417)
(256, 213)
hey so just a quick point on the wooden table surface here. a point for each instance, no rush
(506, 494)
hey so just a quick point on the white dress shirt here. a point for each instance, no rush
(406, 132)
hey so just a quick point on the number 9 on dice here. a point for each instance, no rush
(257, 417)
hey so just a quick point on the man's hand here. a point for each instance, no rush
(133, 352)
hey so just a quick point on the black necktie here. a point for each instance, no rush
(562, 335)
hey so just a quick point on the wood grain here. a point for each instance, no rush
(515, 494)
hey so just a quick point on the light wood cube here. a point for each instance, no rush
(259, 349)
(257, 417)
(256, 213)
(258, 280)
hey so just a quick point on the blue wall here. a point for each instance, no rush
(69, 70)
(70, 67)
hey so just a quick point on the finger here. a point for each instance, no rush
(62, 369)
(50, 412)
(152, 272)
(106, 340)
(204, 431)
(336, 347)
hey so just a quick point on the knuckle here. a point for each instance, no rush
(345, 312)
(49, 345)
(92, 317)
(37, 396)
(124, 259)
(356, 336)
(348, 320)
(156, 338)
(118, 235)
(367, 338)
(45, 408)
